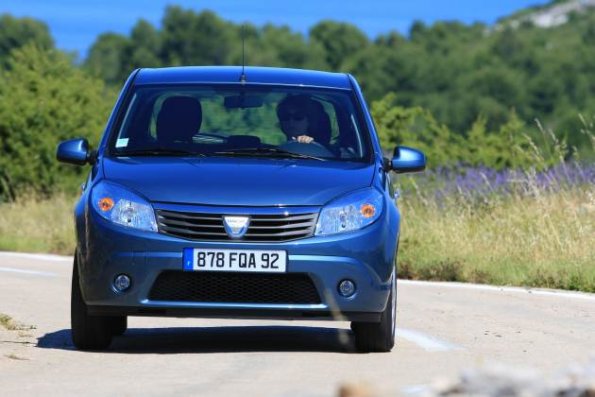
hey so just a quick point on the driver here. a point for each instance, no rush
(295, 114)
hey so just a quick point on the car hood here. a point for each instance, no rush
(237, 181)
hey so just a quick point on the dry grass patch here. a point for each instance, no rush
(545, 240)
(9, 324)
(33, 224)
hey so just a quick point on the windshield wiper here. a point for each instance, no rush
(158, 152)
(266, 152)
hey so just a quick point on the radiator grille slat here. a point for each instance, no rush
(304, 225)
(186, 231)
(285, 218)
(189, 215)
(175, 223)
(279, 234)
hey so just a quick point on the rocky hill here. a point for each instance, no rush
(556, 13)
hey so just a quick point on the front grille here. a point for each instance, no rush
(205, 226)
(225, 287)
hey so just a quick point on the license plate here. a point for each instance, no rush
(223, 260)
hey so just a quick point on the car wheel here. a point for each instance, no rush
(119, 326)
(379, 337)
(88, 332)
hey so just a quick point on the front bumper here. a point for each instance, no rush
(366, 256)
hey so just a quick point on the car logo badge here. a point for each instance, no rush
(236, 226)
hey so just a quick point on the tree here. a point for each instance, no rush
(339, 40)
(17, 32)
(291, 48)
(457, 72)
(416, 127)
(45, 99)
(144, 46)
(195, 39)
(108, 58)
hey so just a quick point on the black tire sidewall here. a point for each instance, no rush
(88, 332)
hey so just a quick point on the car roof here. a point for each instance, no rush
(254, 75)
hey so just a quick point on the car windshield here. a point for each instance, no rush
(242, 121)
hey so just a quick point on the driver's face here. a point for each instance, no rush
(294, 122)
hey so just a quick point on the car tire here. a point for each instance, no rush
(119, 326)
(88, 332)
(378, 337)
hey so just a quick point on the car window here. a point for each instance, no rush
(220, 121)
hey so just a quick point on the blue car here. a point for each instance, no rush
(237, 192)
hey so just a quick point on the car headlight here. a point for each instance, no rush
(351, 212)
(123, 207)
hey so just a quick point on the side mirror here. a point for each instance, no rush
(406, 159)
(75, 151)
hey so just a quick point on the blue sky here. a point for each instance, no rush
(74, 24)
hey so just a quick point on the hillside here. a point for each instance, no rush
(556, 13)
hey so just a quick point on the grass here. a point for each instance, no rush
(9, 324)
(6, 322)
(33, 224)
(544, 241)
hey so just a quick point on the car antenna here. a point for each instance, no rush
(243, 75)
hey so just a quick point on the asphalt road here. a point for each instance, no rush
(442, 329)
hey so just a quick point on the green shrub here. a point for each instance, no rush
(44, 99)
(509, 146)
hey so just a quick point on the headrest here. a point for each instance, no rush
(179, 119)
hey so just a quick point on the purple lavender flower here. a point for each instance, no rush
(482, 183)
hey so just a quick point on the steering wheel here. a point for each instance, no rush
(310, 149)
(209, 137)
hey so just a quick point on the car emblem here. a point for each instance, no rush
(236, 226)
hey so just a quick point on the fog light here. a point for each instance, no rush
(347, 288)
(122, 283)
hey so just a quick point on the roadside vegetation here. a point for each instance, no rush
(506, 200)
(6, 322)
(504, 228)
(9, 324)
(35, 223)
